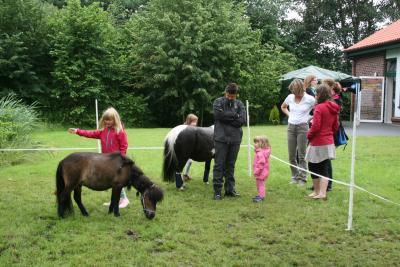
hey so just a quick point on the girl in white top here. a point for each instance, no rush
(297, 107)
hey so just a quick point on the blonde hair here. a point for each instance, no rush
(262, 140)
(329, 82)
(191, 118)
(111, 114)
(296, 87)
(308, 80)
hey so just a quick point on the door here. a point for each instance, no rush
(371, 99)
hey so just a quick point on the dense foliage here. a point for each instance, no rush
(185, 52)
(156, 60)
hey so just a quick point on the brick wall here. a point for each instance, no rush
(369, 65)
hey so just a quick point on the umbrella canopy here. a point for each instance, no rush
(320, 73)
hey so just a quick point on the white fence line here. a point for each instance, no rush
(337, 181)
(160, 147)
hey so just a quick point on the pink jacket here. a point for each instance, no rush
(110, 140)
(261, 163)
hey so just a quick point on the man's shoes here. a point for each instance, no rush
(232, 194)
(294, 181)
(217, 197)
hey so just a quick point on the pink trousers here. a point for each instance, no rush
(260, 187)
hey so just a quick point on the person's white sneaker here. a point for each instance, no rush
(123, 202)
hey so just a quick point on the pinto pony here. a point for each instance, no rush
(101, 172)
(187, 142)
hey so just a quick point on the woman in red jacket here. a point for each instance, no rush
(322, 148)
(112, 137)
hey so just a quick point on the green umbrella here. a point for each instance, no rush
(318, 72)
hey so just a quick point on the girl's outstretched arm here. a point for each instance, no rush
(90, 134)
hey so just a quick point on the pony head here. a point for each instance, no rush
(149, 199)
(150, 193)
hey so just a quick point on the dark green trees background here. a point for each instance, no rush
(157, 60)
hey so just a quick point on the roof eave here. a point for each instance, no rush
(372, 49)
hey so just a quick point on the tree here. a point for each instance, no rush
(24, 60)
(83, 53)
(264, 87)
(350, 22)
(328, 26)
(267, 16)
(390, 9)
(185, 52)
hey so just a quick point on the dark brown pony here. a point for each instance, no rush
(101, 172)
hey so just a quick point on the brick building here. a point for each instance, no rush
(376, 60)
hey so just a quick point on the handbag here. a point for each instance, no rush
(341, 137)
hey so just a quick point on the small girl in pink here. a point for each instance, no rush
(261, 165)
(113, 138)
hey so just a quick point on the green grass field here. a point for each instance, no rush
(190, 228)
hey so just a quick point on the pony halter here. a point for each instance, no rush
(143, 202)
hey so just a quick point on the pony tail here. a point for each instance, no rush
(169, 164)
(64, 201)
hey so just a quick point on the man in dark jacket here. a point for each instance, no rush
(229, 116)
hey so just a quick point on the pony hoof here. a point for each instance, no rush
(117, 214)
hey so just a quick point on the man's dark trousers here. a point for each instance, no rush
(224, 166)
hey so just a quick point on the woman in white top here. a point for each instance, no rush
(297, 107)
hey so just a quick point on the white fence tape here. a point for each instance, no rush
(336, 181)
(160, 147)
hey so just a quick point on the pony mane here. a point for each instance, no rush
(138, 180)
(155, 193)
(171, 138)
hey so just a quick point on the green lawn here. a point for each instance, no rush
(190, 228)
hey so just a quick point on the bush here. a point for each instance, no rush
(16, 124)
(274, 115)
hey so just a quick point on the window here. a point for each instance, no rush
(390, 67)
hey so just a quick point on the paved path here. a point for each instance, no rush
(373, 129)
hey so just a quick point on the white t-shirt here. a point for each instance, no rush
(299, 112)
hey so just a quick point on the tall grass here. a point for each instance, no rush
(17, 121)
